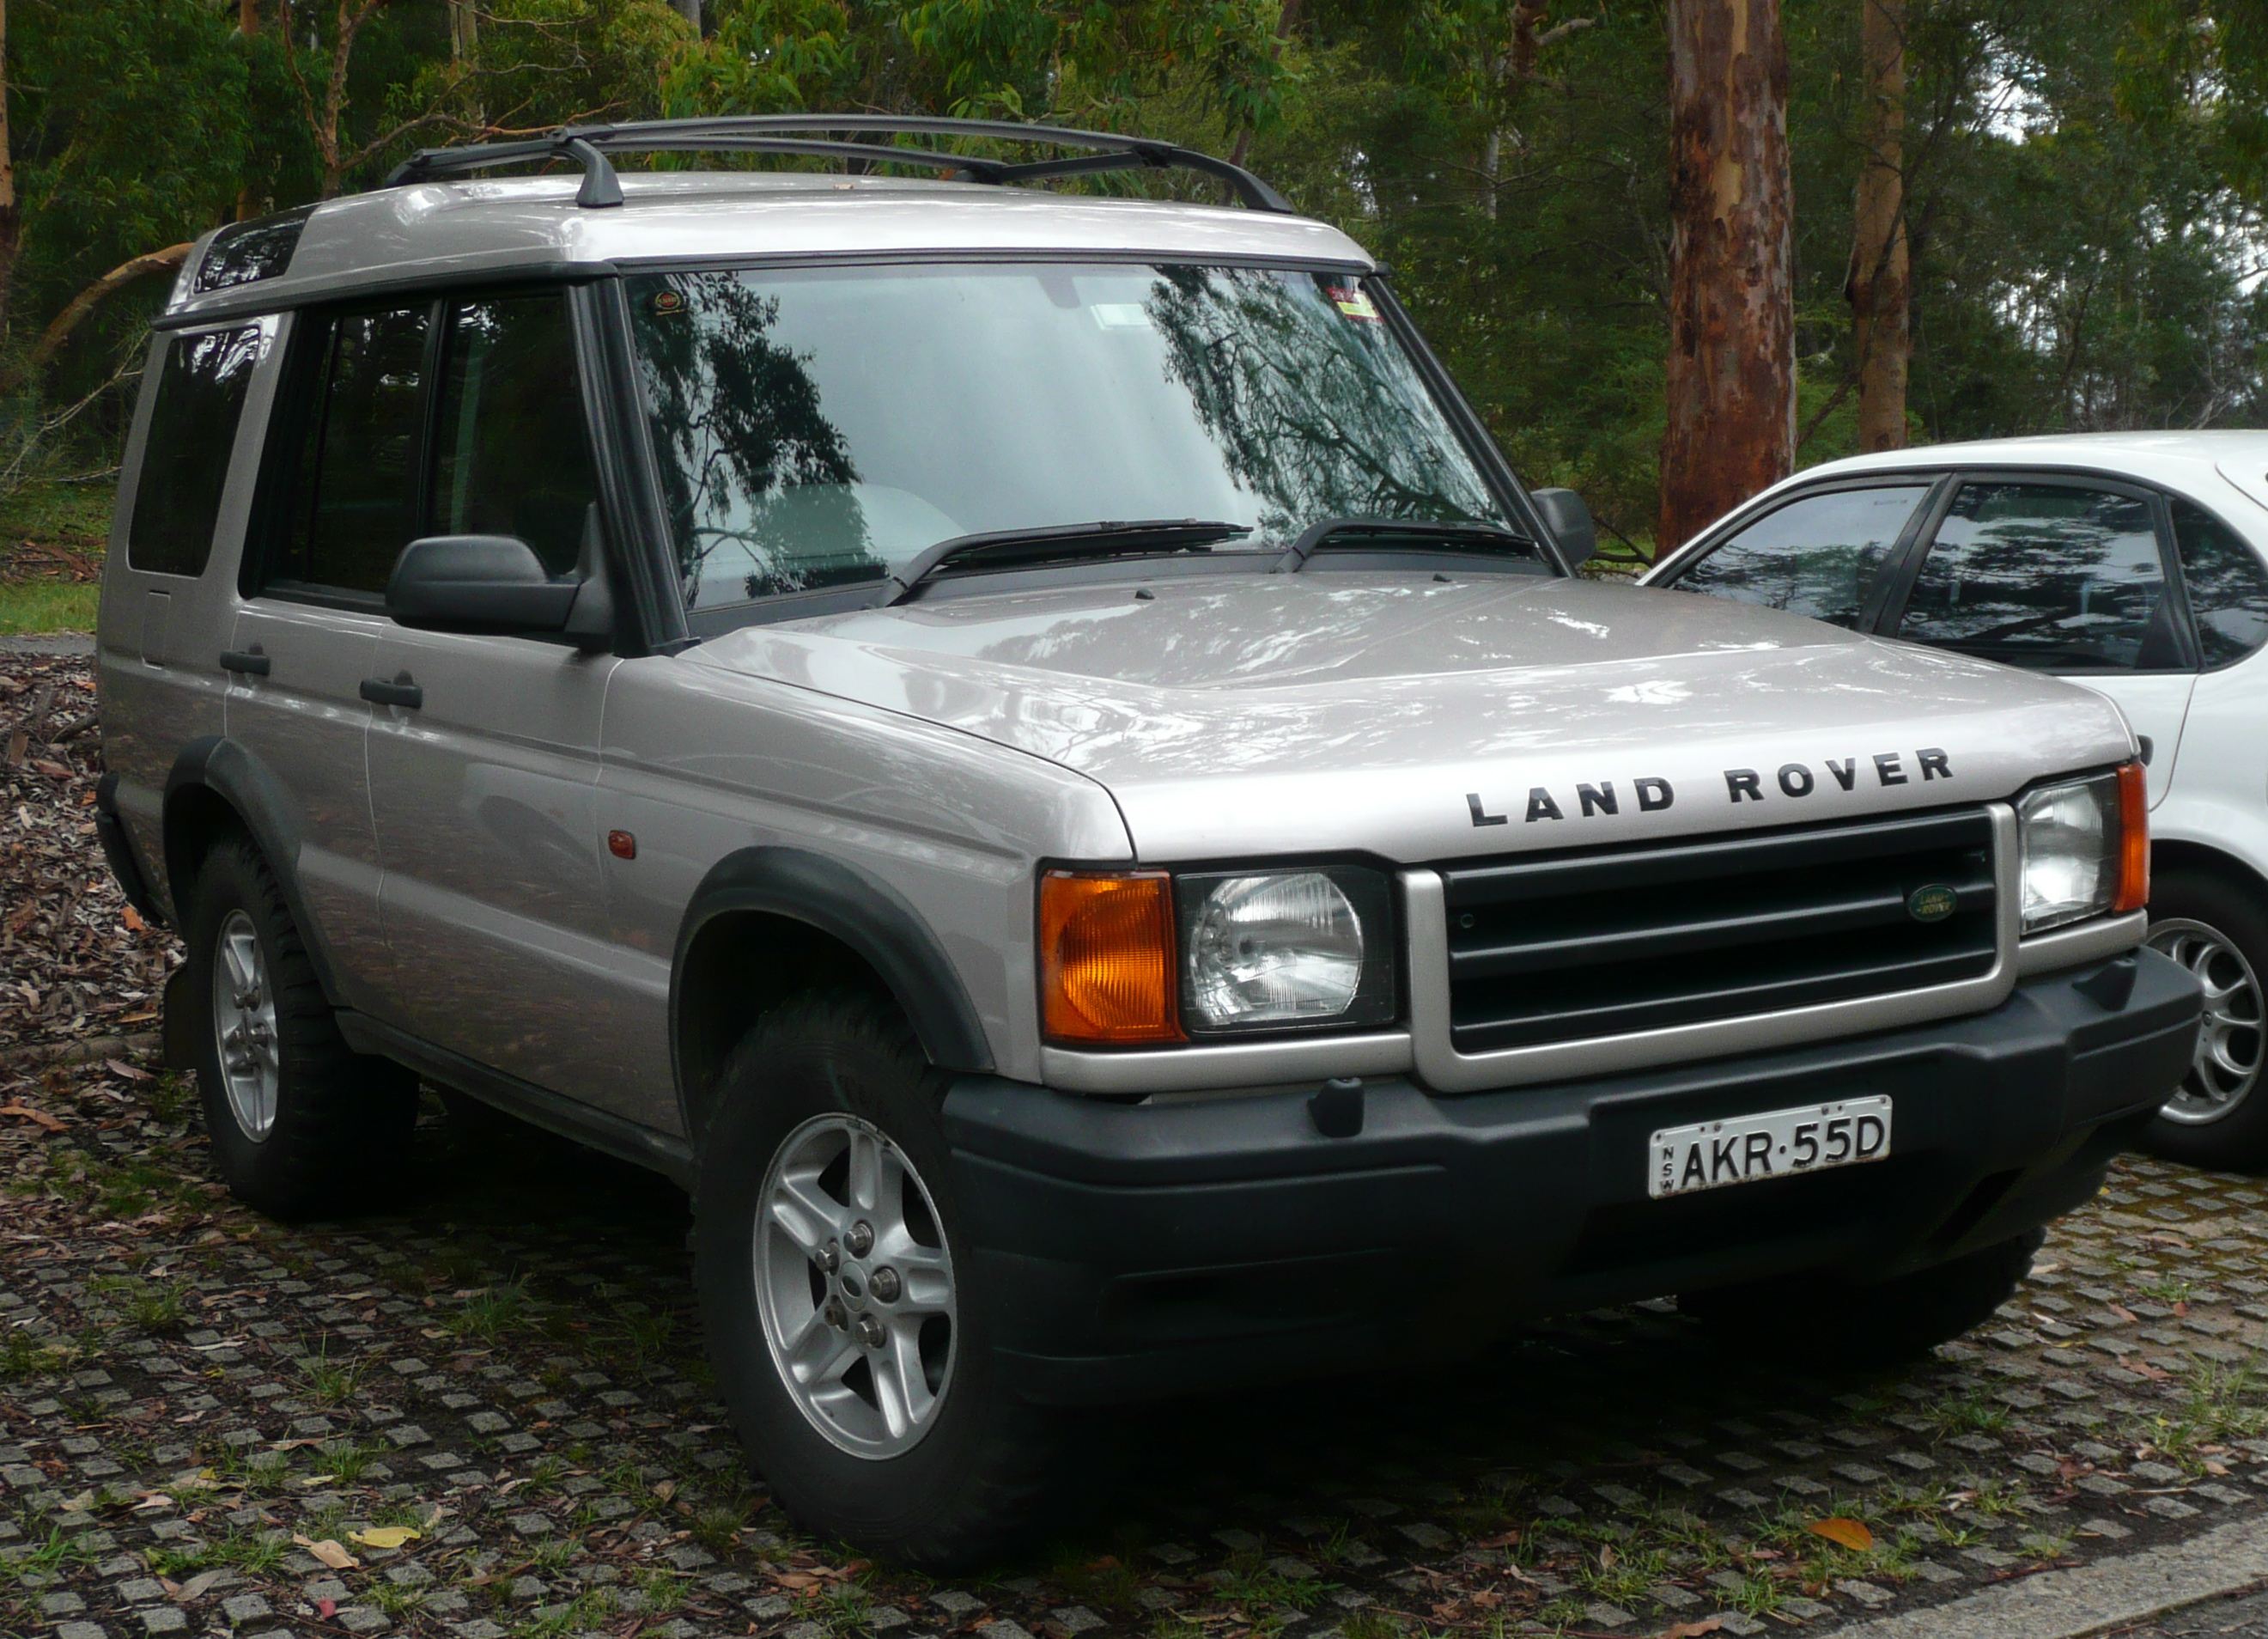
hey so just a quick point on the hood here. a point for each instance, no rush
(1419, 720)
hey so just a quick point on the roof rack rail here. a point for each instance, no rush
(831, 136)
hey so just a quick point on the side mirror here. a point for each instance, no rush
(492, 583)
(1570, 522)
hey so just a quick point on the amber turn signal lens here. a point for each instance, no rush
(2133, 839)
(1107, 957)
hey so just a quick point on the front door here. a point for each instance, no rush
(483, 758)
(2063, 575)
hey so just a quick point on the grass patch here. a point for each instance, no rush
(153, 1306)
(331, 1382)
(47, 606)
(2218, 1404)
(491, 1312)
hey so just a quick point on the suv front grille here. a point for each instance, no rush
(1573, 947)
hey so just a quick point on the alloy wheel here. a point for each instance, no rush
(243, 1026)
(2226, 1065)
(855, 1286)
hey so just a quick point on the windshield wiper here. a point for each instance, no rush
(1016, 549)
(1389, 533)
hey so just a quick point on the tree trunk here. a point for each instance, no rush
(1880, 288)
(1732, 308)
(248, 24)
(60, 328)
(690, 11)
(11, 220)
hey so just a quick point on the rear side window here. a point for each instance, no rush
(1818, 555)
(186, 457)
(354, 492)
(2051, 576)
(2228, 588)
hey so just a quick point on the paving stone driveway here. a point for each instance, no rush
(486, 1414)
(206, 1420)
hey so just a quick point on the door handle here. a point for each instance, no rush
(248, 662)
(400, 692)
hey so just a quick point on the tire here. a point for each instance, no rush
(820, 1081)
(1879, 1322)
(2217, 929)
(299, 1123)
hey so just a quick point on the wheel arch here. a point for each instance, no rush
(2170, 854)
(217, 786)
(768, 923)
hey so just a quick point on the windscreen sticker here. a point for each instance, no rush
(1353, 301)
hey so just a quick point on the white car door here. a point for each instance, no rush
(2064, 574)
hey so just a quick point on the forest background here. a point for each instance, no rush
(2084, 182)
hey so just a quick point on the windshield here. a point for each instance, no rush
(820, 427)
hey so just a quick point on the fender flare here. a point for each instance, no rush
(867, 915)
(238, 778)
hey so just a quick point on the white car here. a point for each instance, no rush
(2131, 561)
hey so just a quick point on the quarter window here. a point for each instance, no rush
(2228, 588)
(185, 459)
(2054, 576)
(1817, 556)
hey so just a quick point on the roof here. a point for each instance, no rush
(2222, 470)
(451, 229)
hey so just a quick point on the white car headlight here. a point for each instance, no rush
(2071, 837)
(1286, 947)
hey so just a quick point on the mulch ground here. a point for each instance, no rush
(485, 1412)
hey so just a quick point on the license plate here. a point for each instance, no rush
(1777, 1144)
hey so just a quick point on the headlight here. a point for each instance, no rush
(1285, 949)
(1130, 958)
(2086, 848)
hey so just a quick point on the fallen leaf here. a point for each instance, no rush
(2144, 1369)
(2218, 1470)
(386, 1536)
(153, 1499)
(326, 1609)
(1504, 1541)
(2182, 1307)
(195, 1586)
(2124, 1314)
(665, 1489)
(40, 1118)
(132, 918)
(1694, 1630)
(329, 1550)
(116, 1066)
(1844, 1533)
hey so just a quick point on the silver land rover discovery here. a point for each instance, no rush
(1027, 748)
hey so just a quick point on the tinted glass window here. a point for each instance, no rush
(354, 497)
(1817, 556)
(2228, 588)
(512, 457)
(185, 460)
(246, 252)
(817, 428)
(2051, 576)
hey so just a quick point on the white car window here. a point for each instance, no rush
(1816, 556)
(2054, 577)
(2227, 587)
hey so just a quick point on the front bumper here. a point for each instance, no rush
(1128, 1250)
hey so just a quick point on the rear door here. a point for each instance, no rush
(336, 501)
(2065, 574)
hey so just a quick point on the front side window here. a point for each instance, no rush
(512, 456)
(2051, 576)
(354, 492)
(509, 453)
(2228, 588)
(1817, 556)
(821, 427)
(185, 459)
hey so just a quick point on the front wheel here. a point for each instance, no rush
(839, 1297)
(1877, 1323)
(2217, 930)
